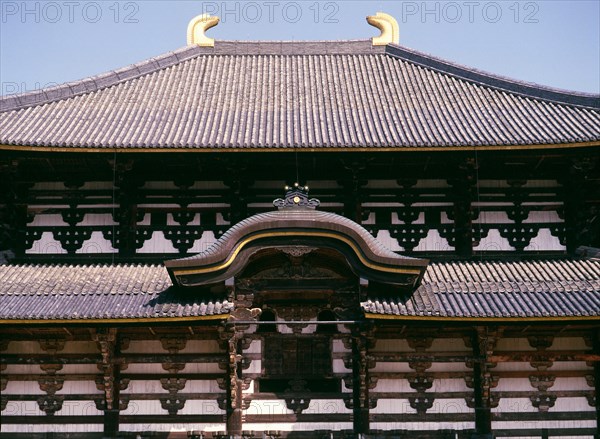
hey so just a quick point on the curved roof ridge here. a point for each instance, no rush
(508, 84)
(98, 82)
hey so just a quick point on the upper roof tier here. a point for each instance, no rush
(266, 95)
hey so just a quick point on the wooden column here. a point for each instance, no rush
(234, 388)
(483, 341)
(361, 382)
(13, 213)
(596, 347)
(106, 341)
(126, 213)
(464, 186)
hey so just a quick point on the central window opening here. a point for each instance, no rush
(297, 363)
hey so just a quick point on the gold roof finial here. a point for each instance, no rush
(390, 32)
(197, 30)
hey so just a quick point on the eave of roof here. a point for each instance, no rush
(452, 291)
(455, 107)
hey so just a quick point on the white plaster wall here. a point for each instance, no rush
(42, 428)
(487, 217)
(493, 242)
(338, 346)
(339, 367)
(46, 245)
(201, 407)
(97, 244)
(448, 367)
(513, 344)
(392, 385)
(33, 347)
(510, 366)
(544, 240)
(384, 237)
(538, 425)
(449, 345)
(419, 426)
(569, 344)
(392, 345)
(298, 426)
(391, 367)
(178, 427)
(157, 244)
(433, 242)
(22, 388)
(570, 365)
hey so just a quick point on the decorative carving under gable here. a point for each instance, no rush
(297, 251)
(51, 385)
(3, 403)
(173, 385)
(222, 402)
(52, 345)
(4, 345)
(102, 381)
(51, 368)
(297, 405)
(296, 197)
(173, 344)
(73, 216)
(560, 231)
(244, 314)
(420, 383)
(541, 363)
(3, 383)
(50, 404)
(494, 401)
(591, 399)
(72, 239)
(542, 382)
(183, 238)
(543, 401)
(540, 342)
(408, 236)
(421, 403)
(519, 236)
(590, 380)
(419, 344)
(172, 404)
(173, 368)
(490, 380)
(419, 366)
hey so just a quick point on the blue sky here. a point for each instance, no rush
(553, 43)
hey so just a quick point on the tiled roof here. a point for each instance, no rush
(307, 95)
(88, 292)
(534, 289)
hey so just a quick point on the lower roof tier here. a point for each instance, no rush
(564, 289)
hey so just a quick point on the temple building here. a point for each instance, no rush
(166, 271)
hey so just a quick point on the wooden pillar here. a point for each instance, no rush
(483, 343)
(234, 387)
(126, 212)
(596, 350)
(464, 186)
(13, 211)
(360, 374)
(110, 383)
